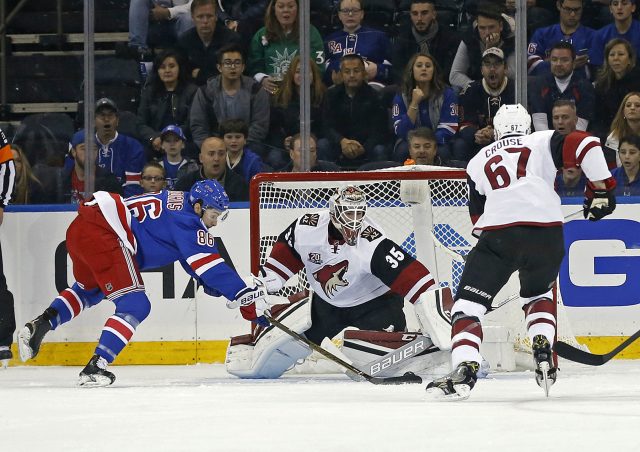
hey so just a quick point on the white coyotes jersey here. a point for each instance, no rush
(345, 275)
(516, 175)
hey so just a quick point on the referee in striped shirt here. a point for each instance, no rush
(7, 314)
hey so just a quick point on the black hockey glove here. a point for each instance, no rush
(598, 203)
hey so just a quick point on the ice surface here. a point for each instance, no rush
(202, 408)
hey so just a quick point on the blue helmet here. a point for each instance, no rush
(211, 193)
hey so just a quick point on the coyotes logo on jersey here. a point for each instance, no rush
(331, 277)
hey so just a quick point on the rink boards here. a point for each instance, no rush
(599, 281)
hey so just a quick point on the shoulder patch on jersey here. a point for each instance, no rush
(315, 258)
(310, 219)
(370, 233)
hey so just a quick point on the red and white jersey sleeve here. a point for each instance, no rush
(516, 176)
(585, 151)
(117, 215)
(344, 275)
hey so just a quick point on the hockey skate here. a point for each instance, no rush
(5, 356)
(543, 359)
(30, 337)
(95, 374)
(457, 385)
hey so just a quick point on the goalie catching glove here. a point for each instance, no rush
(253, 303)
(599, 202)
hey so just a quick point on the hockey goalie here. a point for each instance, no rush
(359, 280)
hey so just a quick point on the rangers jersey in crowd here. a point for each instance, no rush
(161, 228)
(544, 38)
(344, 275)
(440, 115)
(7, 171)
(371, 44)
(123, 157)
(511, 181)
(609, 32)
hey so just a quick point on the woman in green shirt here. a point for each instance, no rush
(274, 45)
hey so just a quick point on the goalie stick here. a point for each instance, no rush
(407, 378)
(571, 353)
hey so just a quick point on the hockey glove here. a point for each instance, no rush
(253, 304)
(598, 203)
(271, 281)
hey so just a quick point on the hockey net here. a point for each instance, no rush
(423, 209)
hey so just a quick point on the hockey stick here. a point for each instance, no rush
(407, 378)
(571, 215)
(571, 353)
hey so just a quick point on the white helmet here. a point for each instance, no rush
(347, 209)
(511, 120)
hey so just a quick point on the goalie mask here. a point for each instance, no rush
(212, 196)
(511, 120)
(347, 209)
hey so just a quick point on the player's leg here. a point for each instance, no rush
(487, 269)
(119, 278)
(380, 314)
(326, 320)
(541, 256)
(82, 240)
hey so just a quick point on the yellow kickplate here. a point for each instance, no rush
(604, 344)
(176, 352)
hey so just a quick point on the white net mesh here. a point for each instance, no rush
(413, 226)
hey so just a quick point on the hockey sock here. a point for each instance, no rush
(131, 309)
(116, 334)
(540, 318)
(466, 337)
(72, 301)
(466, 331)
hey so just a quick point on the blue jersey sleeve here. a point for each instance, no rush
(402, 124)
(133, 168)
(202, 260)
(448, 125)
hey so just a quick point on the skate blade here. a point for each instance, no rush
(462, 393)
(24, 336)
(94, 381)
(545, 382)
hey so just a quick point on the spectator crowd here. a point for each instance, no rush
(412, 87)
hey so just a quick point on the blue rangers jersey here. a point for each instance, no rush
(609, 32)
(123, 157)
(371, 44)
(446, 125)
(161, 228)
(544, 38)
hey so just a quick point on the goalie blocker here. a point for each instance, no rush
(269, 352)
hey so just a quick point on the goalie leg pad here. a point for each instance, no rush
(391, 354)
(270, 352)
(433, 310)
